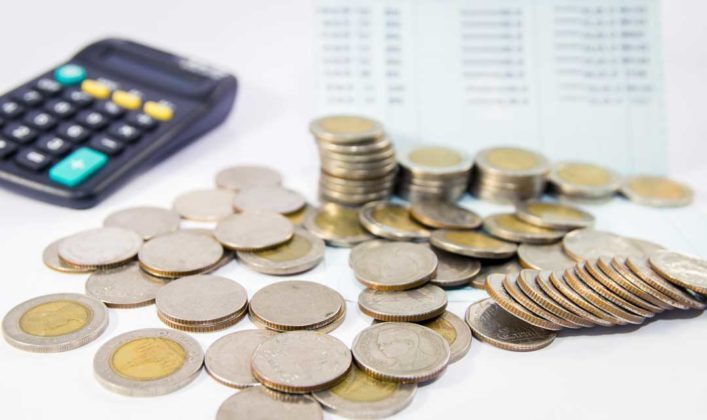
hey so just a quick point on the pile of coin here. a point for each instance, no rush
(508, 174)
(358, 162)
(433, 173)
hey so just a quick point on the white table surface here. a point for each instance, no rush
(656, 371)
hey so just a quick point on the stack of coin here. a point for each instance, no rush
(433, 173)
(583, 181)
(508, 174)
(357, 161)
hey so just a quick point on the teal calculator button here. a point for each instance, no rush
(70, 74)
(78, 166)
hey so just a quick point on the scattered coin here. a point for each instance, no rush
(454, 270)
(472, 244)
(590, 244)
(413, 305)
(360, 395)
(527, 282)
(126, 286)
(147, 222)
(510, 228)
(508, 268)
(51, 259)
(100, 248)
(55, 323)
(260, 403)
(620, 265)
(495, 289)
(272, 198)
(642, 268)
(508, 174)
(584, 180)
(583, 275)
(455, 331)
(575, 282)
(545, 279)
(228, 359)
(253, 230)
(343, 129)
(301, 362)
(301, 253)
(544, 257)
(511, 287)
(242, 177)
(148, 362)
(441, 214)
(688, 272)
(395, 266)
(592, 267)
(493, 325)
(179, 254)
(656, 191)
(391, 221)
(205, 205)
(337, 225)
(553, 215)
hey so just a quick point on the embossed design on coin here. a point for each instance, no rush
(147, 222)
(440, 214)
(260, 403)
(228, 359)
(454, 270)
(455, 331)
(391, 221)
(126, 286)
(271, 198)
(395, 266)
(242, 177)
(544, 257)
(419, 304)
(179, 254)
(253, 230)
(301, 253)
(98, 248)
(51, 259)
(688, 272)
(205, 205)
(656, 191)
(590, 244)
(642, 268)
(472, 244)
(337, 225)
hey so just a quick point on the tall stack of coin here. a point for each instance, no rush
(357, 161)
(433, 172)
(508, 174)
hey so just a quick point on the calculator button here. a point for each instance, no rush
(20, 133)
(124, 132)
(70, 74)
(107, 145)
(78, 97)
(144, 121)
(29, 97)
(92, 119)
(10, 109)
(40, 120)
(6, 148)
(32, 159)
(73, 132)
(158, 111)
(95, 89)
(60, 108)
(127, 100)
(78, 166)
(53, 145)
(48, 86)
(109, 109)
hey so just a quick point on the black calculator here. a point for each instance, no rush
(77, 132)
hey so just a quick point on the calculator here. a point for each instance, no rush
(79, 131)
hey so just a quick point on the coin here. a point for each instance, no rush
(544, 281)
(559, 282)
(455, 331)
(227, 360)
(395, 266)
(634, 284)
(297, 218)
(179, 254)
(260, 403)
(472, 244)
(433, 172)
(364, 248)
(509, 267)
(597, 286)
(527, 282)
(544, 257)
(508, 227)
(617, 287)
(344, 129)
(512, 161)
(360, 395)
(553, 215)
(508, 174)
(688, 272)
(647, 247)
(242, 177)
(495, 289)
(126, 286)
(337, 225)
(301, 253)
(584, 180)
(147, 222)
(253, 230)
(301, 362)
(575, 282)
(205, 205)
(493, 325)
(590, 244)
(391, 221)
(55, 323)
(296, 304)
(619, 264)
(401, 352)
(272, 198)
(511, 287)
(51, 259)
(642, 268)
(413, 305)
(454, 270)
(440, 214)
(99, 248)
(148, 362)
(656, 191)
(435, 160)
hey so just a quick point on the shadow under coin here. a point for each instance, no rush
(622, 329)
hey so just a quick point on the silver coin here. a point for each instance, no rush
(439, 214)
(683, 270)
(51, 259)
(205, 205)
(590, 244)
(363, 249)
(97, 248)
(553, 215)
(401, 352)
(544, 257)
(301, 253)
(360, 396)
(395, 266)
(472, 244)
(253, 230)
(508, 227)
(454, 270)
(647, 247)
(145, 221)
(202, 298)
(296, 304)
(148, 362)
(260, 403)
(345, 129)
(337, 225)
(242, 177)
(391, 221)
(419, 304)
(273, 198)
(55, 323)
(179, 254)
(455, 331)
(228, 359)
(126, 286)
(301, 362)
(509, 267)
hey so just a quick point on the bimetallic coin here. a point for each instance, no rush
(242, 177)
(455, 331)
(454, 270)
(511, 287)
(527, 282)
(301, 253)
(253, 230)
(493, 325)
(440, 215)
(413, 305)
(273, 198)
(688, 272)
(642, 268)
(147, 222)
(55, 323)
(260, 403)
(512, 161)
(472, 244)
(297, 218)
(345, 129)
(495, 289)
(360, 395)
(51, 259)
(590, 244)
(656, 191)
(227, 360)
(99, 248)
(435, 160)
(395, 266)
(391, 221)
(510, 228)
(148, 362)
(205, 205)
(507, 268)
(301, 362)
(544, 257)
(126, 286)
(337, 225)
(579, 179)
(179, 254)
(553, 215)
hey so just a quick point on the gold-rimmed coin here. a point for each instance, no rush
(591, 281)
(508, 227)
(656, 191)
(634, 284)
(345, 129)
(544, 257)
(440, 215)
(472, 244)
(495, 289)
(337, 225)
(553, 215)
(527, 282)
(683, 270)
(558, 281)
(391, 221)
(511, 286)
(512, 161)
(575, 282)
(592, 267)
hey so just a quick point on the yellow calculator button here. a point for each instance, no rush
(158, 111)
(95, 89)
(126, 100)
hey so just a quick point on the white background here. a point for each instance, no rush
(656, 371)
